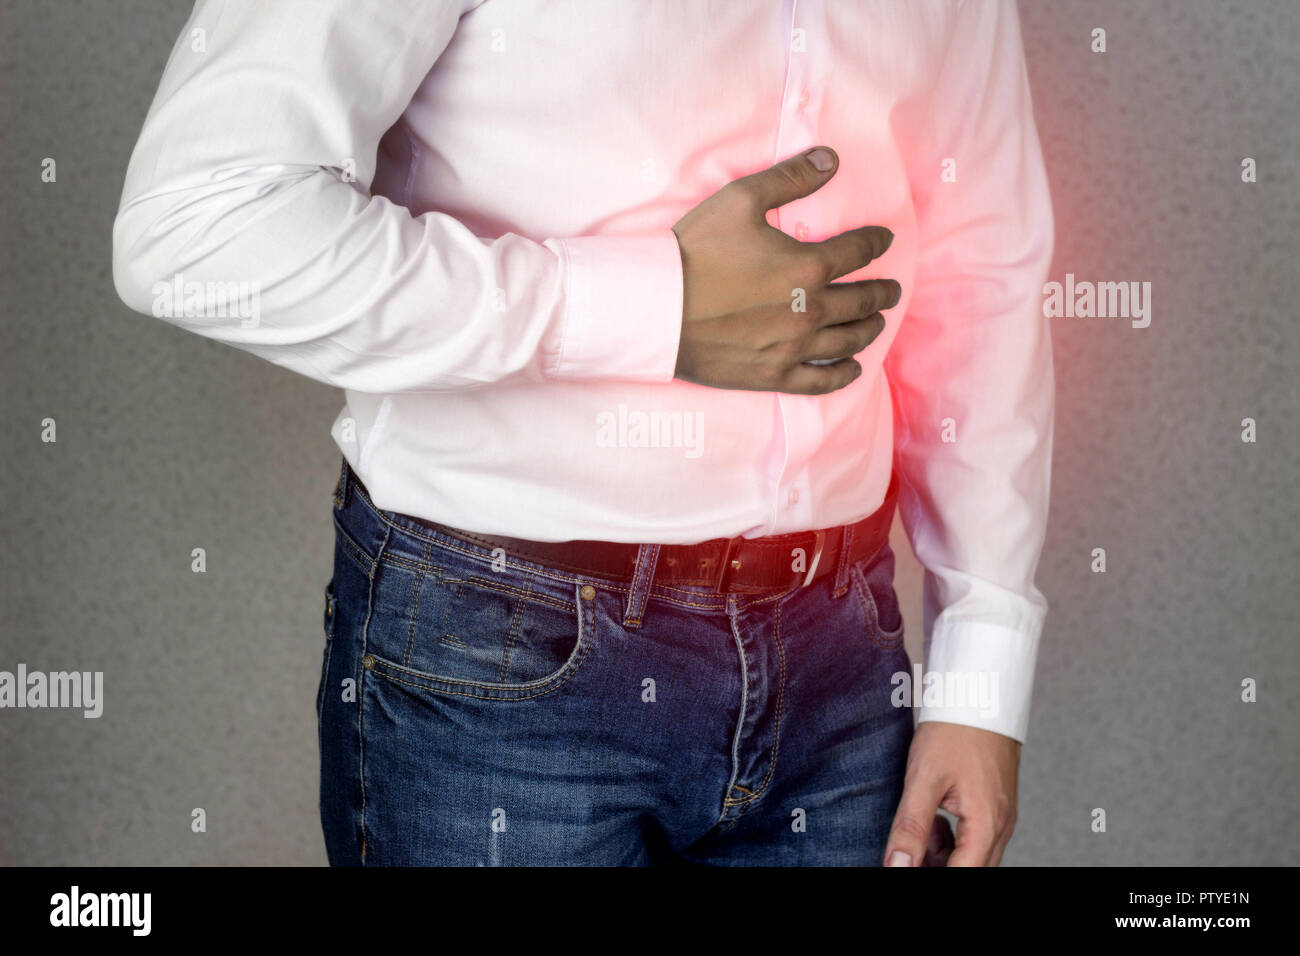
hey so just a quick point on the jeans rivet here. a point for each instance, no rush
(588, 592)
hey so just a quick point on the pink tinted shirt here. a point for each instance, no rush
(459, 213)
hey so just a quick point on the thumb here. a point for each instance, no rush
(910, 835)
(792, 178)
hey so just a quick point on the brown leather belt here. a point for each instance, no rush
(740, 565)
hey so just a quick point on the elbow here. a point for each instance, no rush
(136, 276)
(148, 272)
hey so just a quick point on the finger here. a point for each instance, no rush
(819, 379)
(1000, 846)
(843, 301)
(976, 835)
(995, 859)
(850, 251)
(791, 178)
(941, 843)
(913, 821)
(845, 339)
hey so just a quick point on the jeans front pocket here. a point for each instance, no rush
(873, 581)
(454, 626)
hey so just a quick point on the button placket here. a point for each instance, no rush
(801, 416)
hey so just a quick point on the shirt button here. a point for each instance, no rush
(792, 498)
(801, 231)
(803, 99)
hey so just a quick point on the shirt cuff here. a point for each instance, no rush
(983, 676)
(623, 307)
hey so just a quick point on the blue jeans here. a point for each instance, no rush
(492, 712)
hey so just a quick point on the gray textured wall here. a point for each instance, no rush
(167, 441)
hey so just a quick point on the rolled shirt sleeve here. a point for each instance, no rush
(252, 177)
(971, 377)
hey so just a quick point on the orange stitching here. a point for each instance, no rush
(452, 602)
(409, 565)
(516, 624)
(361, 710)
(776, 722)
(417, 585)
(572, 669)
(364, 562)
(586, 638)
(863, 591)
(780, 697)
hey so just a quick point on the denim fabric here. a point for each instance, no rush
(481, 714)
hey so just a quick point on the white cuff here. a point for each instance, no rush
(623, 307)
(980, 675)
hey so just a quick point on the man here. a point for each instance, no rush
(634, 376)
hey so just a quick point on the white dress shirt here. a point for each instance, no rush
(459, 212)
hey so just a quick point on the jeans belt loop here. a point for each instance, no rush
(840, 586)
(647, 557)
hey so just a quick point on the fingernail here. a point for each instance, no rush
(821, 159)
(899, 858)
